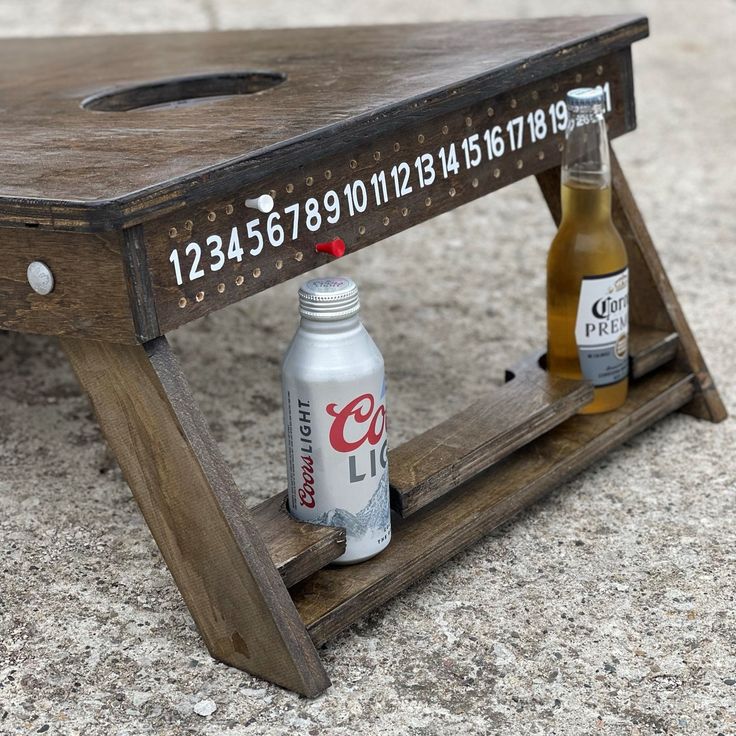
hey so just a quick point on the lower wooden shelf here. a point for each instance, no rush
(505, 418)
(502, 420)
(335, 597)
(650, 349)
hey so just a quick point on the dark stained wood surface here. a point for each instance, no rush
(334, 598)
(707, 404)
(297, 549)
(528, 405)
(65, 166)
(140, 292)
(438, 460)
(195, 512)
(90, 296)
(159, 304)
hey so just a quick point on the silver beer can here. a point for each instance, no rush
(334, 395)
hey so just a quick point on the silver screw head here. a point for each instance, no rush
(40, 278)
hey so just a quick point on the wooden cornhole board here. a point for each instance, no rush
(126, 162)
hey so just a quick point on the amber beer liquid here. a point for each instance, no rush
(587, 266)
(334, 396)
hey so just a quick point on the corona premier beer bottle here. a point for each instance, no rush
(587, 267)
(335, 420)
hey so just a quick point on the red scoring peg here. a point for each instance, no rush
(334, 247)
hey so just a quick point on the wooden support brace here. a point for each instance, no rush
(498, 423)
(195, 512)
(653, 302)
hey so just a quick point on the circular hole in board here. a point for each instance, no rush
(180, 90)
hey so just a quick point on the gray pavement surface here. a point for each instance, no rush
(606, 609)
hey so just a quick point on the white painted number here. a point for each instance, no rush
(379, 187)
(195, 272)
(449, 161)
(471, 149)
(516, 138)
(174, 258)
(234, 251)
(313, 219)
(400, 174)
(425, 169)
(274, 230)
(494, 142)
(357, 197)
(250, 229)
(216, 252)
(332, 205)
(537, 125)
(558, 116)
(293, 209)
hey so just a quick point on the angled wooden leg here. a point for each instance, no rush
(195, 512)
(707, 403)
(653, 301)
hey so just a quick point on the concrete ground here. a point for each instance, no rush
(606, 609)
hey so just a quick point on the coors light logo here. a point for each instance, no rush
(359, 422)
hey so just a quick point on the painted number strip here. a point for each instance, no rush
(358, 196)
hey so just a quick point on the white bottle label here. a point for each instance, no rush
(602, 327)
(337, 461)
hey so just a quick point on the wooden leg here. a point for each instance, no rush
(630, 223)
(195, 512)
(653, 300)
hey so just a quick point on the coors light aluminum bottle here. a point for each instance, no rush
(335, 420)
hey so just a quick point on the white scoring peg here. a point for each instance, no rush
(264, 203)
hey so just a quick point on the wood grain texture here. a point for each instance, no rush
(434, 462)
(630, 223)
(138, 279)
(195, 512)
(224, 281)
(80, 168)
(297, 549)
(334, 598)
(650, 349)
(89, 297)
(528, 405)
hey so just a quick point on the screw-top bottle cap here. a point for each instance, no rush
(586, 99)
(328, 299)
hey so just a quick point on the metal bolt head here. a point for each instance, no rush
(40, 278)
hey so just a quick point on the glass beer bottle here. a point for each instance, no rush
(587, 267)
